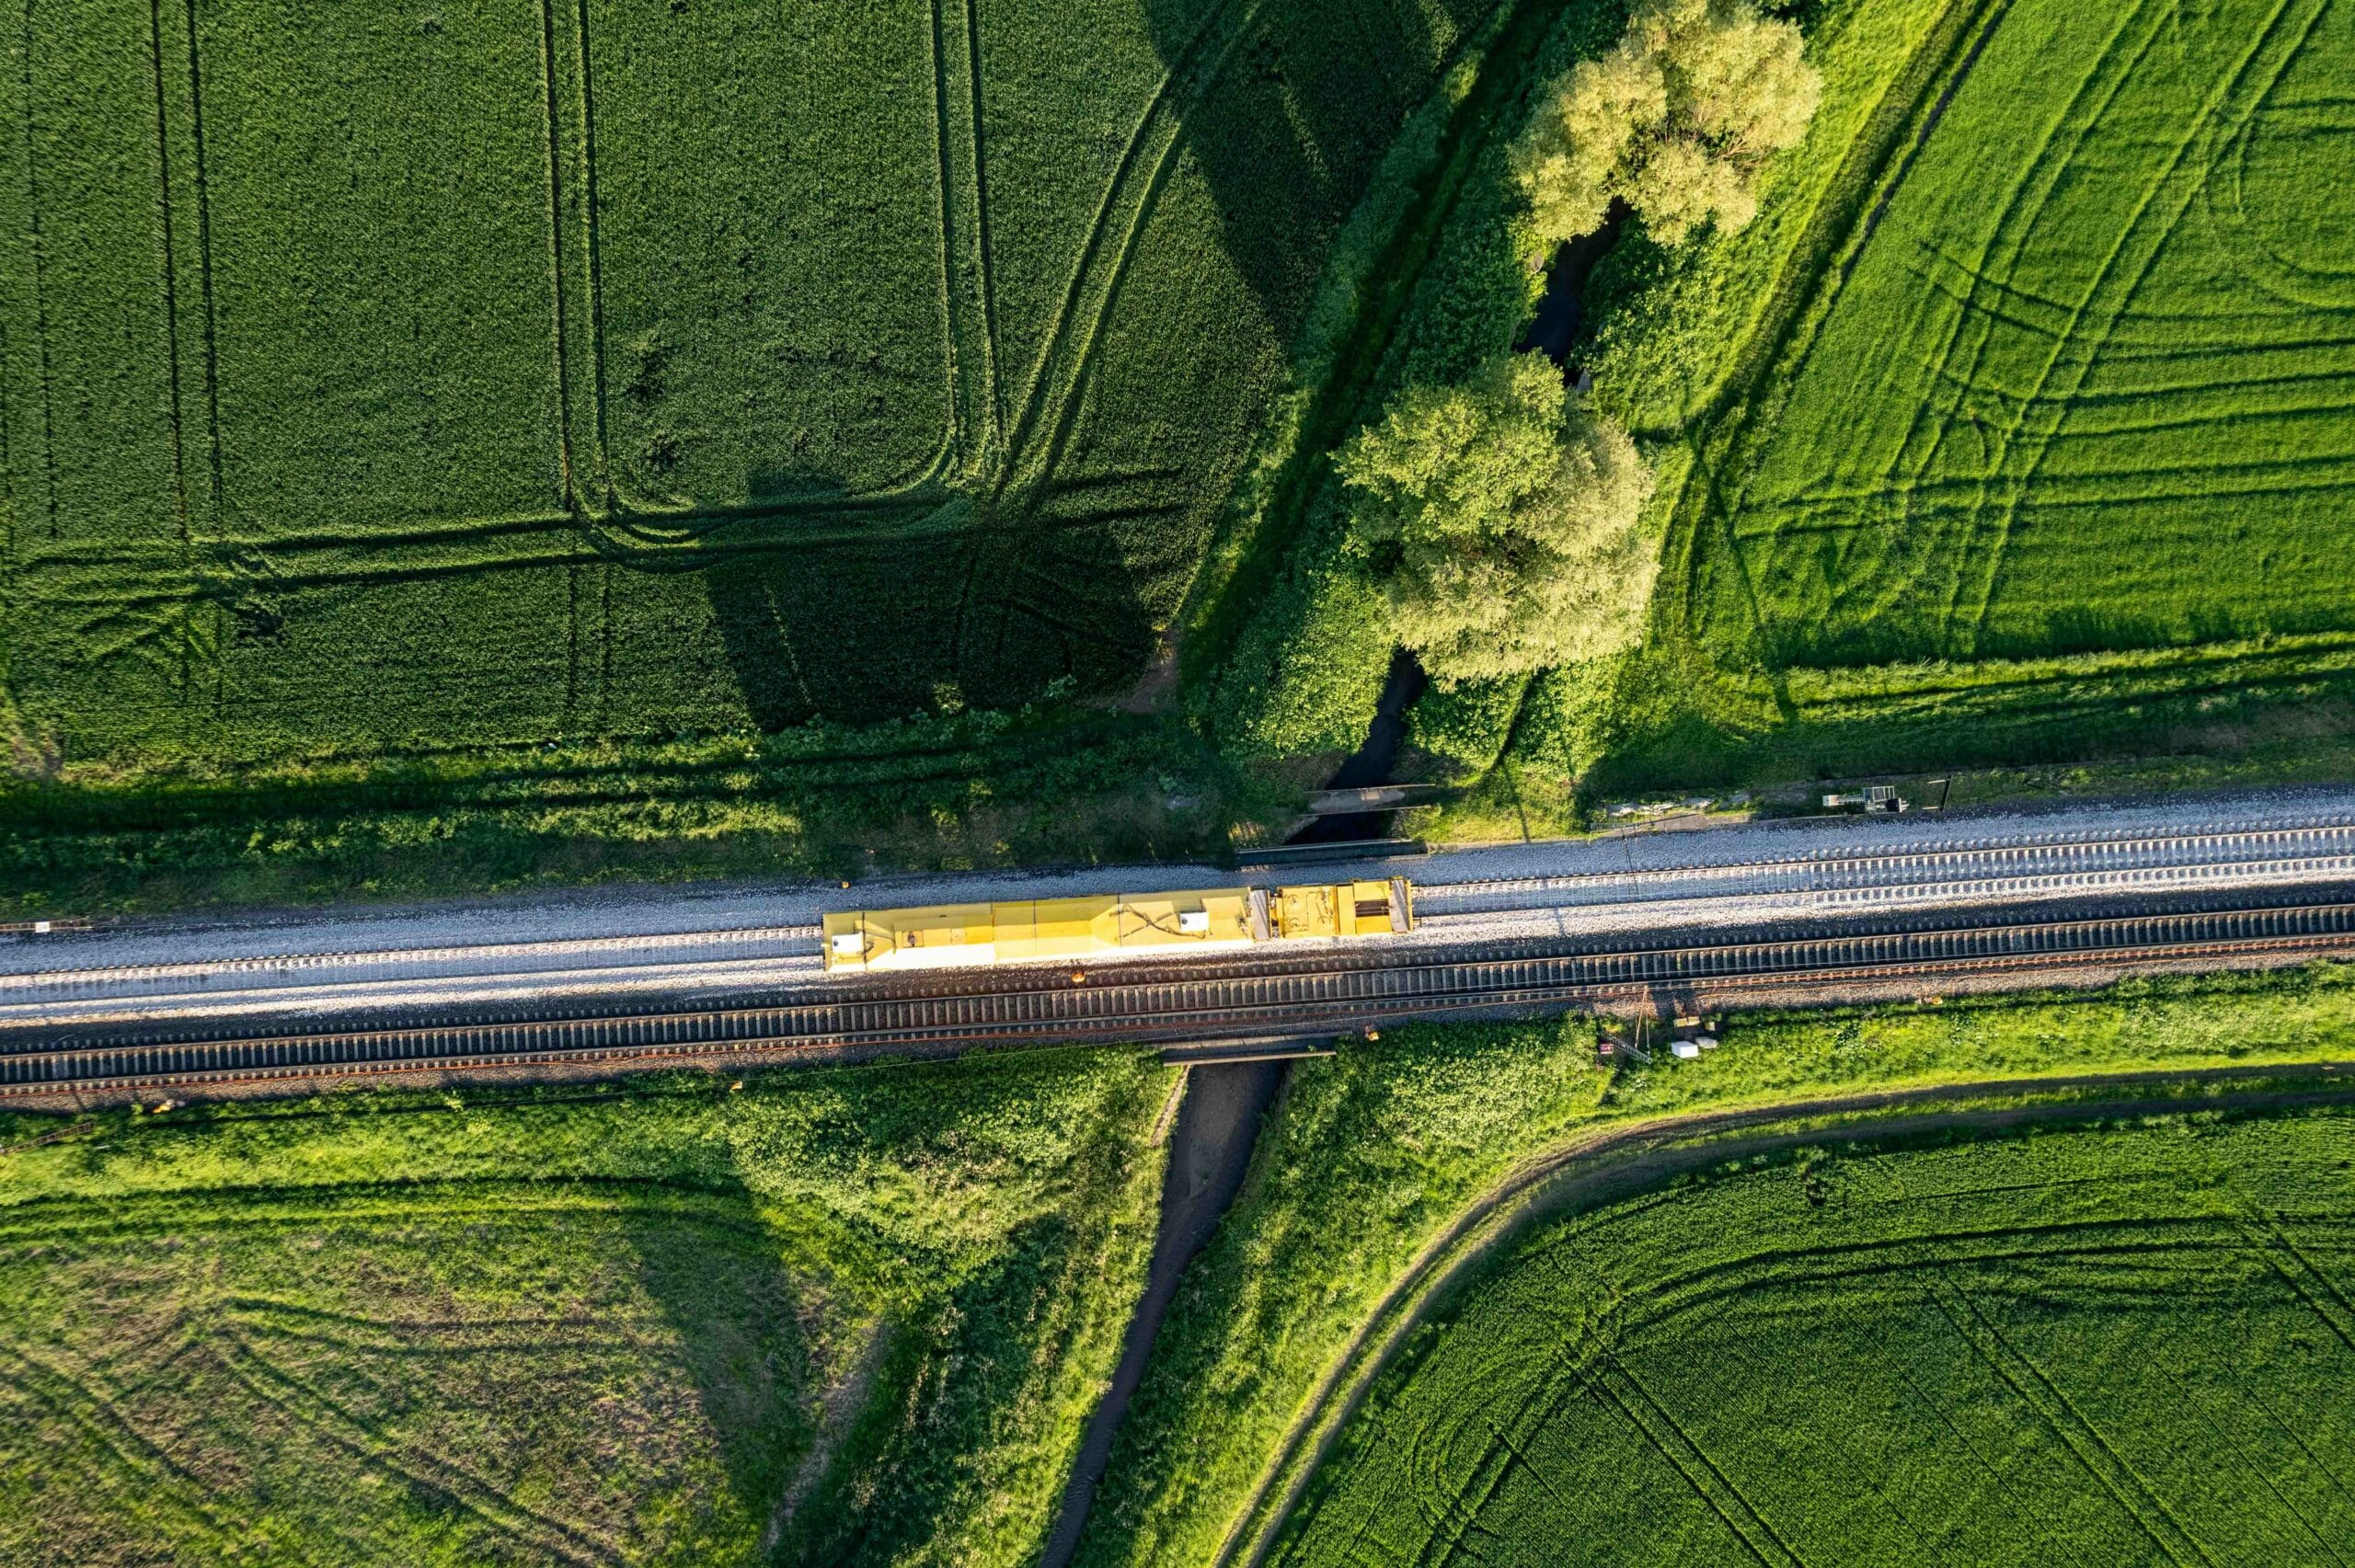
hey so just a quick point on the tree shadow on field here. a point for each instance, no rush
(1284, 113)
(1289, 130)
(738, 1346)
(862, 623)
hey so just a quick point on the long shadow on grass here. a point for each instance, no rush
(988, 614)
(1288, 131)
(1284, 110)
(737, 1343)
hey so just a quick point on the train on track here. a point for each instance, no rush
(1211, 920)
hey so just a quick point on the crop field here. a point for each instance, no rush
(444, 373)
(839, 1316)
(2081, 379)
(2130, 1343)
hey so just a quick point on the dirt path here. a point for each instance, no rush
(1217, 1126)
(1618, 1161)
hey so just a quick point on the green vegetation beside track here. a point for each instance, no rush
(1372, 1156)
(852, 1316)
(2107, 1343)
(975, 790)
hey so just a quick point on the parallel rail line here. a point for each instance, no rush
(1199, 1009)
(1952, 871)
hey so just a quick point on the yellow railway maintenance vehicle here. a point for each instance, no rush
(1113, 925)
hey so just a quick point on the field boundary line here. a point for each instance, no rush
(1591, 1158)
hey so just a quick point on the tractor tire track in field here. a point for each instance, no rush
(2227, 1442)
(1968, 334)
(1792, 322)
(1059, 378)
(2038, 415)
(423, 1474)
(1614, 1162)
(2035, 1389)
(171, 284)
(2279, 1254)
(996, 405)
(2040, 1521)
(1056, 377)
(975, 413)
(186, 626)
(647, 526)
(200, 178)
(593, 257)
(567, 492)
(1708, 1479)
(95, 1415)
(39, 279)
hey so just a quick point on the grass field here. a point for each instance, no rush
(2129, 1343)
(1372, 1155)
(2084, 382)
(441, 374)
(2012, 432)
(854, 1316)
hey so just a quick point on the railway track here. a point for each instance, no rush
(1169, 1004)
(2013, 866)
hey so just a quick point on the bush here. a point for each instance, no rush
(1498, 518)
(1675, 121)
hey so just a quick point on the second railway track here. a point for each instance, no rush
(1163, 1007)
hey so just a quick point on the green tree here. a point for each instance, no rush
(1500, 519)
(1675, 120)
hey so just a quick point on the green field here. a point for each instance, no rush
(437, 374)
(2084, 385)
(2130, 1343)
(854, 1317)
(2016, 430)
(1372, 1157)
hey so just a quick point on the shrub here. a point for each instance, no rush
(1675, 121)
(1500, 519)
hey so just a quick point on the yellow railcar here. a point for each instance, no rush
(1213, 920)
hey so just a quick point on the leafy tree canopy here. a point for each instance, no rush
(1675, 121)
(1500, 517)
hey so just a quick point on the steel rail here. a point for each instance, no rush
(1831, 876)
(1829, 869)
(1198, 1010)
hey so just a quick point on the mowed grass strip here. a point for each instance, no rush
(2085, 383)
(844, 1316)
(2109, 1344)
